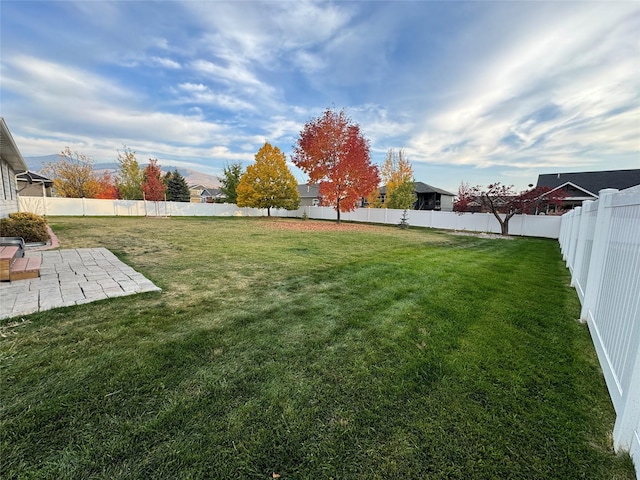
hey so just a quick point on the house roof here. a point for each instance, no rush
(9, 150)
(422, 187)
(211, 192)
(309, 190)
(592, 182)
(33, 177)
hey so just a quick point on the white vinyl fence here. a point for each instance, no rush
(524, 225)
(600, 242)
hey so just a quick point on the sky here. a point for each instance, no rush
(476, 92)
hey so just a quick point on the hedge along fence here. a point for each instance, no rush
(523, 225)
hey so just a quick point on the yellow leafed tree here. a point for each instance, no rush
(73, 175)
(396, 172)
(268, 183)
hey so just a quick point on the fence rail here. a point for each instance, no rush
(600, 242)
(524, 225)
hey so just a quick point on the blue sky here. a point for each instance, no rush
(477, 92)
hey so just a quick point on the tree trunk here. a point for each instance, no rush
(338, 211)
(504, 225)
(268, 211)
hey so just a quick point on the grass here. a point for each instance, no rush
(351, 354)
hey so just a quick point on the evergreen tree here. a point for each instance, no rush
(177, 188)
(230, 181)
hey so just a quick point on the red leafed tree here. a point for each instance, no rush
(153, 186)
(504, 202)
(333, 152)
(466, 195)
(106, 187)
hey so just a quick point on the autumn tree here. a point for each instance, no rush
(230, 180)
(397, 176)
(72, 175)
(130, 175)
(466, 195)
(333, 152)
(403, 196)
(177, 188)
(152, 185)
(106, 187)
(268, 183)
(504, 202)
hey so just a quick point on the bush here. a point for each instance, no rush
(29, 226)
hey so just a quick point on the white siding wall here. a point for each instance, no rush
(8, 195)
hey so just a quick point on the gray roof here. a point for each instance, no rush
(309, 190)
(31, 177)
(211, 192)
(592, 181)
(422, 187)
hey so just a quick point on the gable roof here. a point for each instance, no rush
(33, 177)
(422, 187)
(592, 182)
(211, 192)
(587, 193)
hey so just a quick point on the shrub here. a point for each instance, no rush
(29, 226)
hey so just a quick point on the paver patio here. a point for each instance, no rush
(71, 277)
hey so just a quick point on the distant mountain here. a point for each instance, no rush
(193, 177)
(36, 164)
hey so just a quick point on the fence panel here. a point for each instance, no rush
(538, 226)
(602, 242)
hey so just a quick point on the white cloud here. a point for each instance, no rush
(193, 87)
(577, 70)
(198, 93)
(165, 63)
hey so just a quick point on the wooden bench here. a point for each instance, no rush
(13, 267)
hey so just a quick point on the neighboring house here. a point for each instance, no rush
(428, 198)
(309, 195)
(202, 194)
(212, 195)
(195, 193)
(31, 184)
(11, 164)
(581, 186)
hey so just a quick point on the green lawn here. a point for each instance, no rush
(357, 353)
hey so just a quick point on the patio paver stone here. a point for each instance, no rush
(71, 277)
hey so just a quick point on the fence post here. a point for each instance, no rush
(598, 253)
(581, 242)
(567, 218)
(575, 225)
